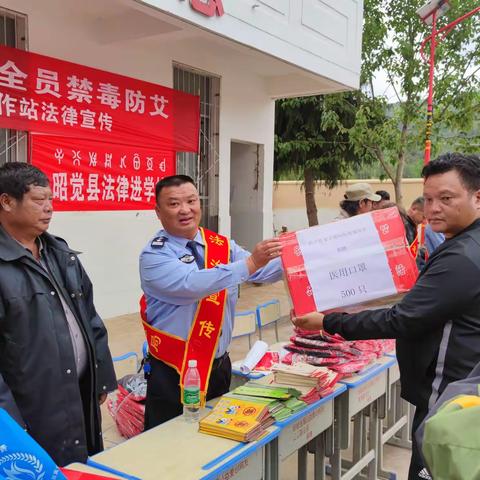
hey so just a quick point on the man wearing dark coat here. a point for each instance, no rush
(437, 324)
(55, 365)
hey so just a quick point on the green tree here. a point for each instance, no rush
(392, 36)
(312, 141)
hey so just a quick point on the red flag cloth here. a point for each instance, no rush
(76, 475)
(90, 175)
(48, 95)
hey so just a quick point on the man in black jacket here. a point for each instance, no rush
(437, 324)
(55, 365)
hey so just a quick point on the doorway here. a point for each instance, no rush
(246, 193)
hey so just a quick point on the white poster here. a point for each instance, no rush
(346, 263)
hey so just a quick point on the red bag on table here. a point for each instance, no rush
(127, 406)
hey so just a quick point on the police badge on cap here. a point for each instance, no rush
(158, 242)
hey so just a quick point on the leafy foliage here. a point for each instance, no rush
(391, 43)
(312, 133)
(331, 136)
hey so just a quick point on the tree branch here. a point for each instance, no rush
(371, 88)
(460, 83)
(378, 154)
(389, 75)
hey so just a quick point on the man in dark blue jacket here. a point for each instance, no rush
(437, 324)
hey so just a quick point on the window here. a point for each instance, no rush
(203, 168)
(13, 33)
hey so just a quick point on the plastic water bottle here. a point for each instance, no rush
(191, 393)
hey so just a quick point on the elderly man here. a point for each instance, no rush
(190, 277)
(437, 324)
(415, 216)
(359, 198)
(55, 365)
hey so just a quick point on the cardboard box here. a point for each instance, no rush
(349, 262)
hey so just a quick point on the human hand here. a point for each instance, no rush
(101, 398)
(263, 252)
(310, 321)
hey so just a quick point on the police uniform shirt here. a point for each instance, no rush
(173, 283)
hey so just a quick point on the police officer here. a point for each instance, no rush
(177, 286)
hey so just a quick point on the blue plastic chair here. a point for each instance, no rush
(267, 314)
(126, 356)
(244, 324)
(138, 362)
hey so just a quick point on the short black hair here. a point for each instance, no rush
(172, 181)
(384, 194)
(350, 206)
(16, 178)
(420, 201)
(467, 167)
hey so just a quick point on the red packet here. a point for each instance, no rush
(76, 475)
(266, 362)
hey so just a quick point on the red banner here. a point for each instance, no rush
(47, 95)
(89, 175)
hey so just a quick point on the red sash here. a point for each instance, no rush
(419, 241)
(204, 334)
(414, 247)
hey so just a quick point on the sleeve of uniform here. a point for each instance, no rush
(164, 277)
(271, 272)
(106, 378)
(445, 288)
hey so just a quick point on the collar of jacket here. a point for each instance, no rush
(411, 222)
(11, 250)
(472, 226)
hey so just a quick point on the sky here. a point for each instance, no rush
(383, 87)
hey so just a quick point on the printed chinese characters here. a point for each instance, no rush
(72, 100)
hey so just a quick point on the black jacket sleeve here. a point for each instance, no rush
(445, 289)
(7, 402)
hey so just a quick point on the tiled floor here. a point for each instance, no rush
(126, 334)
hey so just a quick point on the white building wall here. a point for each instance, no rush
(112, 241)
(321, 36)
(247, 117)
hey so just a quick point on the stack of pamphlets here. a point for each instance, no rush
(316, 382)
(254, 389)
(237, 419)
(304, 375)
(282, 401)
(276, 408)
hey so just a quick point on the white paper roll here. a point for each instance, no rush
(253, 356)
